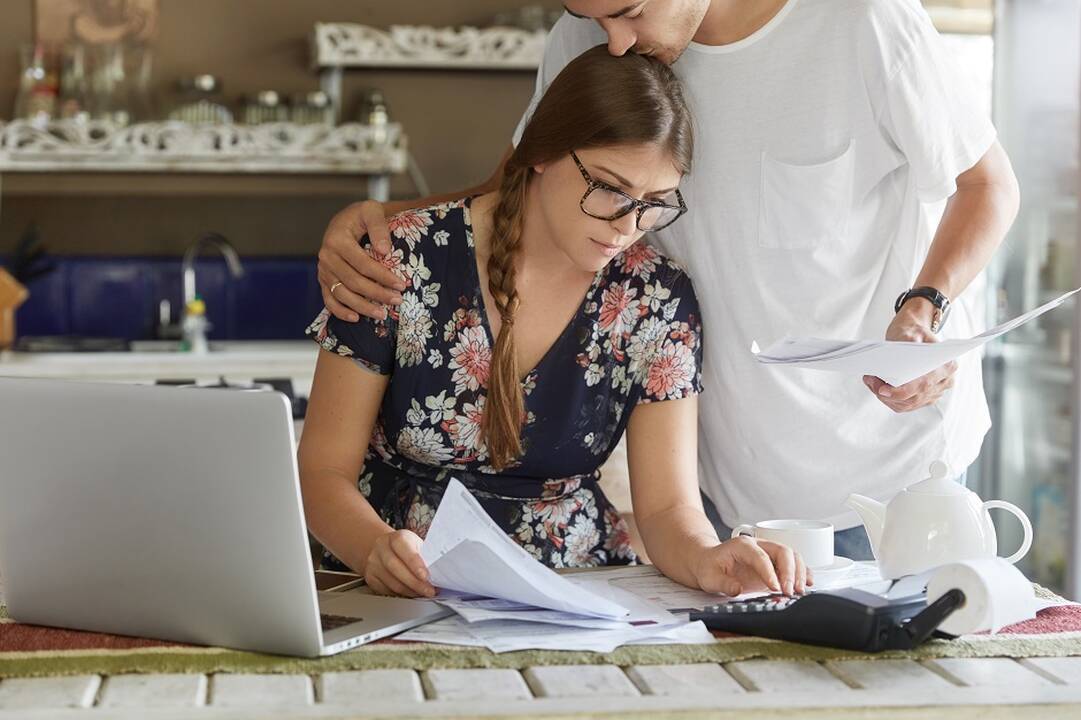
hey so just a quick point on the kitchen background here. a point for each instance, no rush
(95, 221)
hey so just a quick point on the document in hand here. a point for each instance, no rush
(895, 362)
(466, 551)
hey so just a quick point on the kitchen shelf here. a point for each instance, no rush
(175, 147)
(351, 45)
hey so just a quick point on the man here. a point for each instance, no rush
(829, 135)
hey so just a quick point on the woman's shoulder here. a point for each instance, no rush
(643, 264)
(419, 235)
(431, 226)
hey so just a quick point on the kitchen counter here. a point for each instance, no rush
(237, 361)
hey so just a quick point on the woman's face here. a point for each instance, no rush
(645, 172)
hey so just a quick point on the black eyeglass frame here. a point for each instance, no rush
(637, 206)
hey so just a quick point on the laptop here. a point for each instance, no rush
(169, 513)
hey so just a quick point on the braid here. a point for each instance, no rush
(505, 408)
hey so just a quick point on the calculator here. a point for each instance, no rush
(850, 619)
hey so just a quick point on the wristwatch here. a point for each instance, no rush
(940, 301)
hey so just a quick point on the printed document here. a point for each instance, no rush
(893, 361)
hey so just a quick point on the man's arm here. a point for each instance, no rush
(366, 285)
(973, 225)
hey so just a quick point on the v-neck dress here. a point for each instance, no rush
(636, 338)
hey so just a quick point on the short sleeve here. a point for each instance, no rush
(666, 347)
(569, 38)
(929, 112)
(370, 343)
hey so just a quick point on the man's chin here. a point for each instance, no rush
(668, 56)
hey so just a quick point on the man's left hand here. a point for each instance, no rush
(913, 324)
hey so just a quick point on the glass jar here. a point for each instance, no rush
(200, 101)
(144, 107)
(265, 107)
(74, 101)
(110, 90)
(313, 108)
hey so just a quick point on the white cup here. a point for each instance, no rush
(812, 539)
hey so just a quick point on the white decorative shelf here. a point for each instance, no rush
(67, 146)
(344, 45)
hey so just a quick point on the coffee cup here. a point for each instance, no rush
(812, 539)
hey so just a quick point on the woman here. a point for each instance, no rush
(534, 330)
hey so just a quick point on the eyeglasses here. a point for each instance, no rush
(605, 202)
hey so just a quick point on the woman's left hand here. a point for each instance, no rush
(745, 564)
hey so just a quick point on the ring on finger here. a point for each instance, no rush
(334, 287)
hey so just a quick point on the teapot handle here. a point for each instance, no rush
(1027, 542)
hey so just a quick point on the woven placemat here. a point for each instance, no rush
(28, 651)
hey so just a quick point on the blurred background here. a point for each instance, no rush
(135, 132)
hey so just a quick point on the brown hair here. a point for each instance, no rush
(598, 100)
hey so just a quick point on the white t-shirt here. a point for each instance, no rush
(825, 146)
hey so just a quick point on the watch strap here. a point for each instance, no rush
(935, 297)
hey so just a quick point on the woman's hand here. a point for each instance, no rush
(361, 284)
(395, 566)
(745, 564)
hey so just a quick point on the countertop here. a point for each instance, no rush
(235, 360)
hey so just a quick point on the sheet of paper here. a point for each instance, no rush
(448, 631)
(863, 575)
(641, 610)
(506, 636)
(895, 362)
(466, 551)
(484, 609)
(648, 584)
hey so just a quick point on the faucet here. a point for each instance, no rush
(227, 250)
(195, 327)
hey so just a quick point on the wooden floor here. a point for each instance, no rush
(881, 688)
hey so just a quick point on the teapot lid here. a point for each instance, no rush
(940, 483)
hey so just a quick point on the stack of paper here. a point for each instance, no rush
(895, 362)
(506, 600)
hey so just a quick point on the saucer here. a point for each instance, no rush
(835, 569)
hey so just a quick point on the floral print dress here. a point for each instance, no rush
(635, 338)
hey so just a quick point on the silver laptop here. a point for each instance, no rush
(168, 513)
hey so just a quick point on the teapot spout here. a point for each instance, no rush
(873, 515)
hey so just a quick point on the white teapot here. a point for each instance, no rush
(931, 523)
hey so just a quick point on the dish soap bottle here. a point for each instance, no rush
(194, 326)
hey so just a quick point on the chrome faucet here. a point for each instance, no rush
(194, 324)
(232, 259)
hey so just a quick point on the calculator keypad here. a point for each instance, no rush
(762, 604)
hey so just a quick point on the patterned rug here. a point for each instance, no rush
(30, 650)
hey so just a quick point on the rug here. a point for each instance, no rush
(33, 651)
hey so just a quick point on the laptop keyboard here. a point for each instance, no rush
(333, 622)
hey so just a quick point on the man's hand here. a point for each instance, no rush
(361, 284)
(913, 324)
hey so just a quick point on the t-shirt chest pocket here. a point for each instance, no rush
(803, 207)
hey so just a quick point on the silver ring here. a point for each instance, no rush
(334, 287)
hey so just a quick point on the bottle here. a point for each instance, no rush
(195, 326)
(375, 115)
(36, 99)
